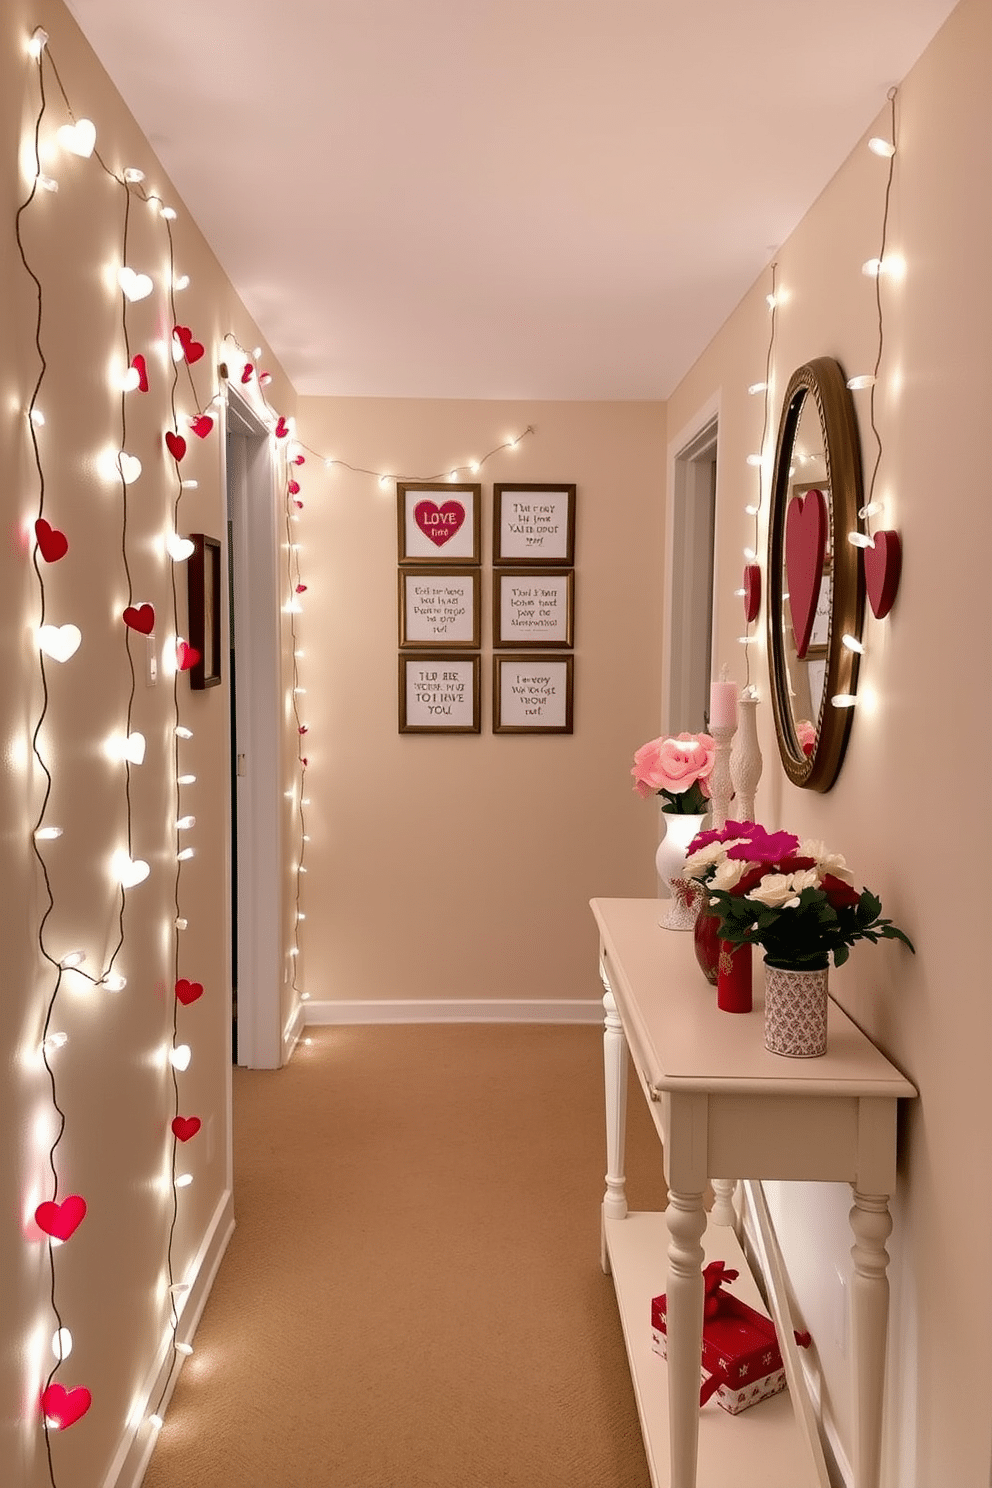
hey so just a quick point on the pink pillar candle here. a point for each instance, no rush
(723, 705)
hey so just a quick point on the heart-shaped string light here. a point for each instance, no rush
(190, 349)
(62, 1407)
(188, 992)
(186, 656)
(61, 1221)
(176, 445)
(201, 425)
(129, 467)
(134, 286)
(129, 871)
(140, 617)
(79, 138)
(52, 544)
(185, 1127)
(179, 548)
(139, 365)
(130, 747)
(59, 641)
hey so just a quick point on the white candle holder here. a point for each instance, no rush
(721, 785)
(745, 760)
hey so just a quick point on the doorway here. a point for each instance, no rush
(691, 534)
(254, 657)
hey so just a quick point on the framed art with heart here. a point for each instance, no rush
(438, 523)
(533, 523)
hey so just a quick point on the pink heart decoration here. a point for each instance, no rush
(201, 425)
(141, 617)
(187, 991)
(298, 460)
(139, 365)
(186, 656)
(61, 1220)
(184, 1127)
(805, 548)
(883, 565)
(176, 445)
(248, 372)
(301, 588)
(64, 1407)
(294, 488)
(304, 728)
(752, 591)
(439, 523)
(192, 350)
(298, 505)
(282, 428)
(52, 543)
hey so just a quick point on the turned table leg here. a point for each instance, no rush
(615, 1070)
(684, 1301)
(871, 1225)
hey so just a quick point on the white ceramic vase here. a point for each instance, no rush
(680, 911)
(796, 1011)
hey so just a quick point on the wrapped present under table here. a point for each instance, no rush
(741, 1360)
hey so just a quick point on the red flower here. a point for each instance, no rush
(840, 894)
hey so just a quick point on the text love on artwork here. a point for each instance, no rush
(439, 523)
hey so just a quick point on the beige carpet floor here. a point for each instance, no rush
(413, 1296)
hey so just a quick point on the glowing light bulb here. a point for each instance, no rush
(305, 801)
(55, 1041)
(750, 555)
(308, 1042)
(186, 780)
(156, 1423)
(74, 958)
(294, 950)
(189, 485)
(181, 282)
(871, 510)
(328, 463)
(883, 147)
(181, 1056)
(752, 510)
(130, 747)
(37, 417)
(305, 837)
(304, 996)
(256, 353)
(47, 834)
(745, 640)
(129, 467)
(474, 467)
(37, 43)
(168, 213)
(187, 852)
(130, 380)
(48, 183)
(302, 869)
(871, 268)
(133, 174)
(757, 387)
(860, 540)
(300, 915)
(128, 871)
(185, 822)
(384, 480)
(739, 593)
(181, 924)
(179, 1288)
(114, 982)
(843, 700)
(179, 548)
(265, 378)
(771, 301)
(863, 380)
(79, 138)
(853, 644)
(755, 459)
(185, 1349)
(183, 733)
(62, 1343)
(184, 1180)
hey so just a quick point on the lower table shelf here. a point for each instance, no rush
(762, 1447)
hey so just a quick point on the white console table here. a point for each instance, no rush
(724, 1106)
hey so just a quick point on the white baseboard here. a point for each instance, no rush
(291, 1033)
(497, 1010)
(136, 1446)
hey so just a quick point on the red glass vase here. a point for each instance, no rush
(706, 941)
(733, 979)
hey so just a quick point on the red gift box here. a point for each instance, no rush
(741, 1359)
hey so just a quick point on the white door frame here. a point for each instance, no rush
(250, 480)
(690, 548)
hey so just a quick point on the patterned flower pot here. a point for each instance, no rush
(685, 894)
(795, 1011)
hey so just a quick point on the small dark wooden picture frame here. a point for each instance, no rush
(203, 574)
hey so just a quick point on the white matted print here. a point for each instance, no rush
(439, 694)
(533, 523)
(532, 694)
(438, 523)
(439, 607)
(533, 608)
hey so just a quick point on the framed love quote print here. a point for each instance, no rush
(533, 607)
(438, 523)
(438, 693)
(439, 607)
(532, 695)
(533, 523)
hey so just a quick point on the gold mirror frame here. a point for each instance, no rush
(822, 381)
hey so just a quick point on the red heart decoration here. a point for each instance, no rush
(192, 350)
(304, 763)
(186, 656)
(140, 366)
(63, 1407)
(439, 523)
(184, 1127)
(52, 543)
(294, 488)
(201, 425)
(301, 588)
(298, 505)
(805, 548)
(282, 428)
(883, 565)
(187, 991)
(140, 618)
(304, 728)
(61, 1220)
(298, 460)
(176, 445)
(752, 591)
(248, 372)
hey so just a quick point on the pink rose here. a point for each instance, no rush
(806, 734)
(673, 764)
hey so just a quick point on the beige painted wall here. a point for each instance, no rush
(911, 783)
(460, 867)
(113, 1079)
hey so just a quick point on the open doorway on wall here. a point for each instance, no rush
(253, 629)
(690, 590)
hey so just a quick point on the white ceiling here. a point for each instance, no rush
(500, 198)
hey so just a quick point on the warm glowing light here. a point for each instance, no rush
(757, 387)
(179, 548)
(78, 138)
(74, 958)
(55, 1041)
(871, 510)
(129, 871)
(130, 380)
(48, 183)
(304, 996)
(294, 950)
(181, 282)
(872, 267)
(114, 982)
(752, 510)
(62, 1343)
(185, 1349)
(755, 459)
(37, 43)
(183, 733)
(181, 924)
(37, 417)
(750, 555)
(190, 485)
(187, 852)
(133, 175)
(881, 147)
(745, 640)
(844, 700)
(186, 780)
(156, 1423)
(863, 380)
(181, 1056)
(860, 540)
(853, 644)
(130, 747)
(185, 822)
(134, 286)
(771, 301)
(129, 467)
(179, 1288)
(47, 834)
(168, 213)
(184, 1180)
(384, 480)
(300, 915)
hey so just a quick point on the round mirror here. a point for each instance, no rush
(815, 590)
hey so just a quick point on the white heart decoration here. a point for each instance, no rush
(59, 641)
(132, 748)
(79, 137)
(179, 548)
(181, 1056)
(131, 380)
(130, 871)
(129, 467)
(135, 286)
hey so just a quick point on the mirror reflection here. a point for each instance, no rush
(806, 598)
